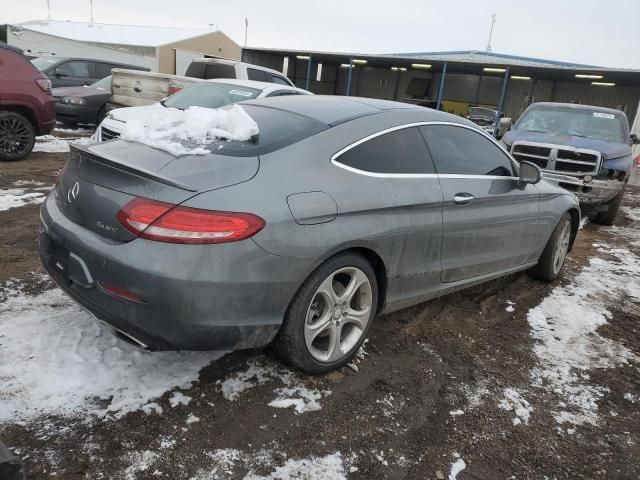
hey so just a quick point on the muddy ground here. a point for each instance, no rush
(428, 390)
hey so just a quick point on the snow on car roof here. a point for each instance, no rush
(144, 36)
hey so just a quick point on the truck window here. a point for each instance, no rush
(280, 80)
(219, 70)
(258, 75)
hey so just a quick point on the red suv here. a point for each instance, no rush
(27, 107)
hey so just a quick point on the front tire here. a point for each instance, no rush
(17, 136)
(555, 252)
(608, 217)
(330, 316)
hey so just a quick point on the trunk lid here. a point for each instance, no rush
(99, 179)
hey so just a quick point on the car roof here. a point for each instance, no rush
(577, 106)
(11, 48)
(228, 61)
(86, 59)
(333, 110)
(256, 84)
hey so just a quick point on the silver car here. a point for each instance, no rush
(340, 210)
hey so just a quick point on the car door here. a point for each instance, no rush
(489, 218)
(71, 74)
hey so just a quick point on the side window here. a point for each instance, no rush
(259, 75)
(282, 93)
(459, 150)
(280, 80)
(101, 70)
(400, 151)
(219, 70)
(75, 68)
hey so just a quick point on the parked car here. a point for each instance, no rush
(74, 72)
(486, 118)
(134, 89)
(84, 104)
(26, 104)
(585, 149)
(209, 94)
(335, 212)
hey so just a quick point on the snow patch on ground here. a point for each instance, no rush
(631, 213)
(19, 197)
(359, 356)
(510, 306)
(189, 131)
(293, 394)
(140, 462)
(456, 467)
(179, 398)
(56, 360)
(53, 144)
(514, 402)
(565, 326)
(330, 467)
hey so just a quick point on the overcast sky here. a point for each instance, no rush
(598, 32)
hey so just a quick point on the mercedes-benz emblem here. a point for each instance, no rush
(73, 192)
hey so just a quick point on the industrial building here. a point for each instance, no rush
(162, 49)
(453, 81)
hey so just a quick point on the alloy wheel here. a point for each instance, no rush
(338, 314)
(562, 247)
(15, 137)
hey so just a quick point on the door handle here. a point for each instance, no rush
(463, 198)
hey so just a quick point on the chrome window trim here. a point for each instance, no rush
(336, 155)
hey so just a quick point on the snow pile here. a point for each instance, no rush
(457, 467)
(55, 359)
(187, 132)
(53, 144)
(293, 394)
(18, 197)
(513, 401)
(565, 325)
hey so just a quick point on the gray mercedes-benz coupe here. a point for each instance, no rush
(339, 210)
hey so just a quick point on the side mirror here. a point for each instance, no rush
(60, 73)
(635, 140)
(530, 173)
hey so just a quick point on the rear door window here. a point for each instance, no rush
(102, 70)
(75, 68)
(258, 75)
(399, 152)
(463, 151)
(219, 70)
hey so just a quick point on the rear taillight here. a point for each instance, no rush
(164, 222)
(44, 84)
(173, 89)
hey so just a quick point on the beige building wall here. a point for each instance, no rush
(214, 43)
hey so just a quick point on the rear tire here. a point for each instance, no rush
(17, 136)
(608, 217)
(330, 316)
(555, 252)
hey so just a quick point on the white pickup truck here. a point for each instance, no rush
(133, 88)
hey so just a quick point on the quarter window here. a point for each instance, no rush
(397, 152)
(459, 150)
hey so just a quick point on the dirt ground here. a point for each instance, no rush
(432, 386)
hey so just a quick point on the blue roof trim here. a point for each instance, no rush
(496, 55)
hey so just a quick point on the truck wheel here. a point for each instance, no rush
(17, 136)
(608, 217)
(555, 252)
(330, 316)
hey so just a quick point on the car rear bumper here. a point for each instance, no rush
(75, 113)
(590, 193)
(194, 297)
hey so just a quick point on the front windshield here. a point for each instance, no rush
(42, 63)
(573, 121)
(104, 84)
(210, 95)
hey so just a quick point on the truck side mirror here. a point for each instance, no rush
(635, 140)
(530, 173)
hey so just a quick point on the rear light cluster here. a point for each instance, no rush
(164, 222)
(44, 84)
(174, 89)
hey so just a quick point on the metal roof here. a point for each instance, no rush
(491, 57)
(137, 35)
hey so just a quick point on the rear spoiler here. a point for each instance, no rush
(123, 165)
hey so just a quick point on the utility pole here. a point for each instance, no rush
(246, 28)
(49, 9)
(493, 22)
(91, 4)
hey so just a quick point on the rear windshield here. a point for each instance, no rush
(278, 129)
(576, 122)
(210, 95)
(42, 63)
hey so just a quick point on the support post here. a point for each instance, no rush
(306, 84)
(349, 77)
(503, 93)
(441, 88)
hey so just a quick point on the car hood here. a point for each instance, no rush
(607, 149)
(129, 113)
(78, 91)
